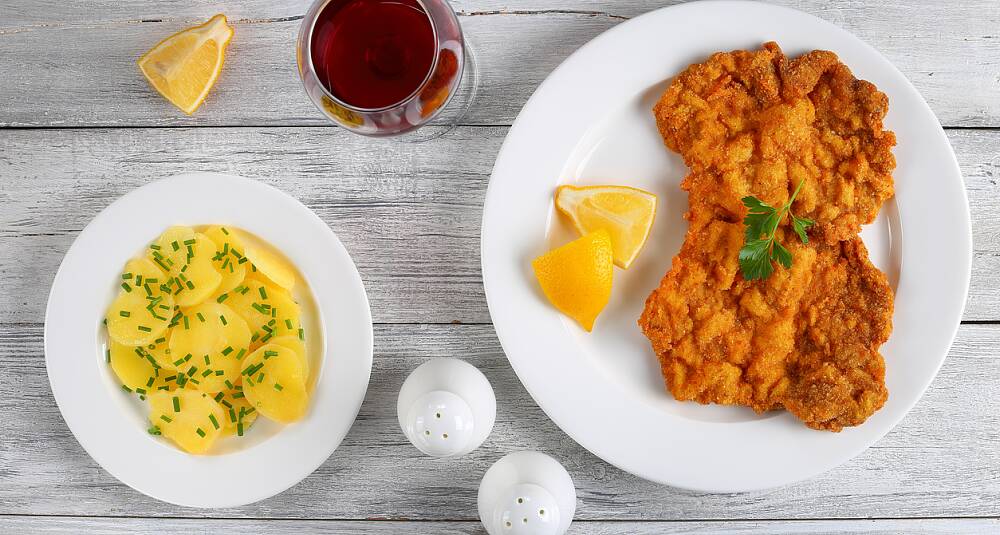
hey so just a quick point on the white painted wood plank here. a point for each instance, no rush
(27, 525)
(408, 213)
(941, 461)
(87, 76)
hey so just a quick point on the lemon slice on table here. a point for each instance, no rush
(185, 66)
(626, 213)
(576, 278)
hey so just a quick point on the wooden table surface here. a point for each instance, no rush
(79, 127)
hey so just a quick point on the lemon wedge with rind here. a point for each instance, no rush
(576, 278)
(184, 67)
(626, 213)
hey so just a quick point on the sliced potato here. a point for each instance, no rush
(142, 273)
(268, 262)
(274, 384)
(212, 340)
(191, 419)
(238, 411)
(268, 310)
(227, 257)
(159, 349)
(134, 368)
(136, 319)
(187, 256)
(295, 344)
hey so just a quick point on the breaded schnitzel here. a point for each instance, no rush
(755, 123)
(807, 338)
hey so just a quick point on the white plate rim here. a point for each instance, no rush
(522, 329)
(213, 480)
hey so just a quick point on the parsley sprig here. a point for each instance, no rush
(761, 248)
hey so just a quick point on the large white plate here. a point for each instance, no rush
(111, 425)
(590, 122)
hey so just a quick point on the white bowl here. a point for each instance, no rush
(111, 424)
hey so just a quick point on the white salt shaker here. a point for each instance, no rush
(446, 407)
(526, 493)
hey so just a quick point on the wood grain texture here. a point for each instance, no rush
(87, 75)
(28, 525)
(409, 214)
(941, 461)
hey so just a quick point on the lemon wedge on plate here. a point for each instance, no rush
(185, 66)
(626, 213)
(576, 278)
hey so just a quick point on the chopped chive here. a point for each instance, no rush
(254, 337)
(191, 370)
(244, 290)
(222, 318)
(107, 355)
(207, 372)
(144, 329)
(229, 384)
(126, 276)
(222, 298)
(189, 242)
(260, 378)
(243, 260)
(149, 383)
(239, 429)
(266, 337)
(227, 350)
(166, 418)
(175, 245)
(159, 340)
(219, 372)
(154, 430)
(177, 404)
(154, 247)
(171, 378)
(126, 287)
(278, 387)
(200, 317)
(250, 381)
(200, 432)
(214, 421)
(224, 231)
(239, 395)
(140, 391)
(232, 414)
(288, 324)
(190, 285)
(269, 354)
(195, 381)
(302, 335)
(263, 293)
(239, 356)
(186, 326)
(178, 362)
(188, 357)
(207, 361)
(127, 389)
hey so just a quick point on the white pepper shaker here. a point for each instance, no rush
(526, 493)
(446, 407)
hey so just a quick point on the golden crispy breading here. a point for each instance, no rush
(805, 339)
(755, 123)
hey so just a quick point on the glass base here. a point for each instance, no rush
(455, 110)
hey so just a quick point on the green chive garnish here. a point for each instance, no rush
(263, 293)
(222, 318)
(239, 429)
(288, 324)
(302, 335)
(214, 421)
(200, 317)
(126, 287)
(278, 387)
(227, 350)
(200, 432)
(177, 404)
(222, 298)
(144, 329)
(166, 418)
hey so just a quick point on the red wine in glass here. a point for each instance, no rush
(381, 67)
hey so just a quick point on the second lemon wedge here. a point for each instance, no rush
(576, 277)
(626, 213)
(185, 66)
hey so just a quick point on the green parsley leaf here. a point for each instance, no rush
(760, 247)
